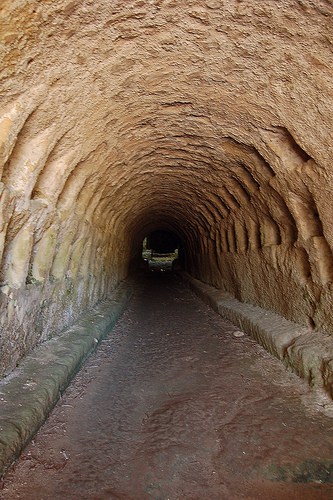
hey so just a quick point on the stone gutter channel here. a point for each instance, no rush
(28, 395)
(307, 353)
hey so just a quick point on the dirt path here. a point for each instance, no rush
(176, 404)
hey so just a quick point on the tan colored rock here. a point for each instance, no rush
(211, 119)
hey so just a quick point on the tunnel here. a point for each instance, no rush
(211, 121)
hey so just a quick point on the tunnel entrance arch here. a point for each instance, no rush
(162, 242)
(162, 250)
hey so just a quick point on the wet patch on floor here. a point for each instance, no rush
(309, 471)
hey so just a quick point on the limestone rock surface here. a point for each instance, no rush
(211, 119)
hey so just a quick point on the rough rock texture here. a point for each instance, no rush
(211, 119)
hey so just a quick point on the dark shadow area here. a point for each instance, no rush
(161, 251)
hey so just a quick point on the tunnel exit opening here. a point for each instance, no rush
(160, 251)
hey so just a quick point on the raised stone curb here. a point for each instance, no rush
(31, 391)
(307, 353)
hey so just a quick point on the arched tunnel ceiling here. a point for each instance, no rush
(212, 119)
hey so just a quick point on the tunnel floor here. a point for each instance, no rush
(178, 404)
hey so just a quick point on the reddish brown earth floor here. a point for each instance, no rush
(175, 406)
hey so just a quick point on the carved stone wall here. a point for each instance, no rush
(212, 119)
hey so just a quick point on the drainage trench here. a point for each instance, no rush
(178, 403)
